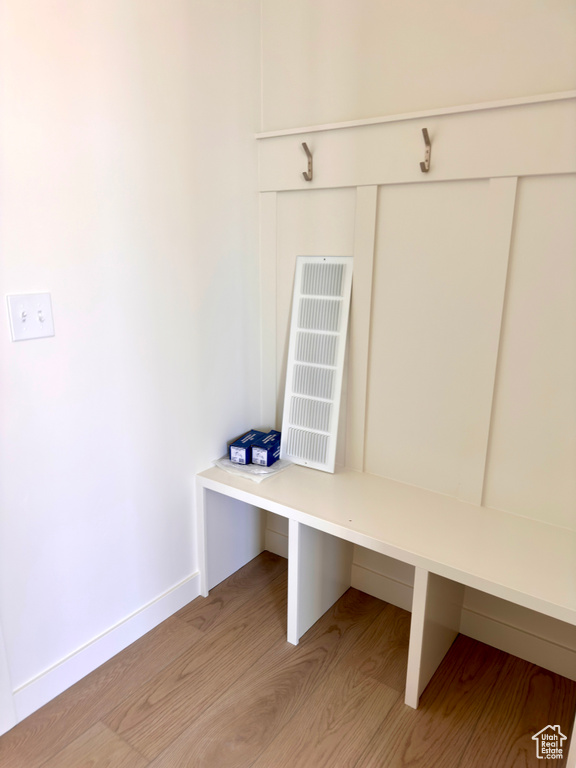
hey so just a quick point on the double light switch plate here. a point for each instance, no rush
(30, 316)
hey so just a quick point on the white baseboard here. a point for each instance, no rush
(276, 542)
(547, 652)
(381, 586)
(41, 689)
(537, 649)
(526, 645)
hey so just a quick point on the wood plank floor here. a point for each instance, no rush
(218, 686)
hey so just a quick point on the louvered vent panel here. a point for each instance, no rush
(314, 414)
(322, 279)
(310, 446)
(320, 311)
(315, 382)
(319, 314)
(317, 348)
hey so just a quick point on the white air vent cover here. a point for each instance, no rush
(320, 311)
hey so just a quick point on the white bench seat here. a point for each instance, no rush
(451, 544)
(516, 558)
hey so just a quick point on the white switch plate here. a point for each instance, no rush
(30, 316)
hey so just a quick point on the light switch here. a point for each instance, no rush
(30, 316)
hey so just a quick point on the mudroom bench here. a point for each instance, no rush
(450, 543)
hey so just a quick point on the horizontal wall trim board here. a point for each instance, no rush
(528, 140)
(50, 683)
(481, 106)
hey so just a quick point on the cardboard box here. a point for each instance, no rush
(267, 450)
(240, 451)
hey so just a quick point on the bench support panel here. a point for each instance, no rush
(230, 534)
(436, 609)
(319, 572)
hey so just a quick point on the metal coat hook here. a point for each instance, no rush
(308, 176)
(425, 166)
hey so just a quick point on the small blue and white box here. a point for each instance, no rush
(267, 450)
(240, 451)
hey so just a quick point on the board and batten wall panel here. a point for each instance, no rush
(315, 223)
(531, 466)
(437, 302)
(471, 355)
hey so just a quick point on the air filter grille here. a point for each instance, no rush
(320, 311)
(316, 382)
(322, 279)
(319, 314)
(318, 348)
(313, 414)
(310, 446)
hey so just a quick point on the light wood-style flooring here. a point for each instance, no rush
(218, 686)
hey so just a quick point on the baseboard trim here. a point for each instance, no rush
(276, 542)
(41, 689)
(383, 587)
(526, 645)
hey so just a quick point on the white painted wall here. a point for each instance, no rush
(128, 189)
(334, 60)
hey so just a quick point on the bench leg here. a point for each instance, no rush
(436, 608)
(319, 572)
(229, 532)
(201, 543)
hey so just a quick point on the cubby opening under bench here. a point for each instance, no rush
(450, 543)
